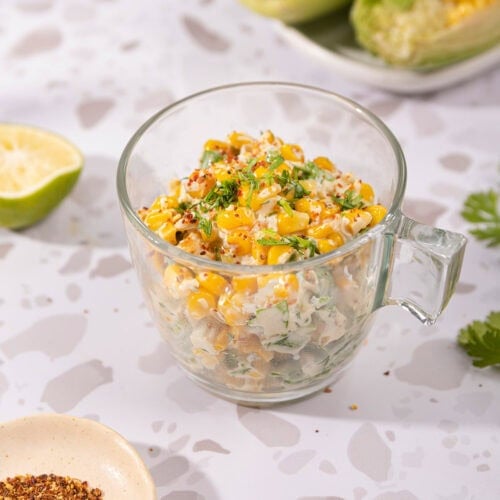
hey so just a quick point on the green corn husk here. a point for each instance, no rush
(294, 11)
(424, 34)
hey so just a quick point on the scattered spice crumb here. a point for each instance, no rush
(353, 407)
(317, 430)
(387, 373)
(47, 486)
(480, 385)
(327, 390)
(85, 311)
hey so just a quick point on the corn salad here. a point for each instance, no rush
(260, 202)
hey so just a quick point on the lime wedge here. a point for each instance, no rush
(37, 170)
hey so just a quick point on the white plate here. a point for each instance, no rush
(332, 40)
(75, 447)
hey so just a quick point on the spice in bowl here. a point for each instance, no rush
(47, 486)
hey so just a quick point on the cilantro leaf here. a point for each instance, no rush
(350, 200)
(482, 210)
(205, 225)
(274, 159)
(286, 206)
(299, 243)
(481, 340)
(209, 157)
(309, 170)
(221, 195)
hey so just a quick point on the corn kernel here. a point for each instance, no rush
(167, 231)
(221, 340)
(358, 219)
(244, 284)
(173, 277)
(312, 207)
(322, 231)
(330, 211)
(265, 194)
(292, 152)
(241, 240)
(230, 307)
(282, 286)
(378, 212)
(212, 282)
(288, 224)
(221, 172)
(279, 254)
(200, 303)
(214, 145)
(260, 172)
(331, 243)
(259, 253)
(238, 139)
(174, 188)
(366, 192)
(199, 183)
(155, 220)
(324, 163)
(232, 219)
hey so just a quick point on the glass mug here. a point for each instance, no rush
(247, 349)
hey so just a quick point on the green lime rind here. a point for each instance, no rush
(294, 11)
(21, 212)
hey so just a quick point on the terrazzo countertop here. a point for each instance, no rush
(76, 338)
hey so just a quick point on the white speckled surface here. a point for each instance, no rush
(75, 336)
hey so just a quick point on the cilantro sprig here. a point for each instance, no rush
(482, 210)
(302, 245)
(350, 200)
(221, 195)
(209, 157)
(481, 340)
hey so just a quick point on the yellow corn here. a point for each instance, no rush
(230, 306)
(232, 219)
(244, 284)
(284, 286)
(378, 212)
(462, 9)
(312, 207)
(292, 152)
(155, 220)
(214, 145)
(260, 171)
(200, 303)
(279, 254)
(221, 172)
(366, 192)
(264, 194)
(237, 139)
(288, 224)
(199, 183)
(334, 241)
(359, 218)
(212, 282)
(324, 163)
(221, 340)
(167, 231)
(321, 231)
(330, 211)
(174, 188)
(173, 276)
(259, 252)
(284, 167)
(241, 240)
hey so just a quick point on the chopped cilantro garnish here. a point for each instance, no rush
(205, 225)
(286, 206)
(251, 163)
(183, 206)
(299, 243)
(309, 170)
(221, 195)
(290, 184)
(350, 200)
(209, 157)
(274, 159)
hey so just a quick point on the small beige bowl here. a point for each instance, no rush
(75, 447)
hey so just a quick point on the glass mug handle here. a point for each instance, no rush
(425, 268)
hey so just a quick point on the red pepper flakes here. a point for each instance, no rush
(47, 487)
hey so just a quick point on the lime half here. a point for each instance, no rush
(37, 170)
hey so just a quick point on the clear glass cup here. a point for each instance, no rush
(251, 349)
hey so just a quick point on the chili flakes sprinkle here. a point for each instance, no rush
(47, 487)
